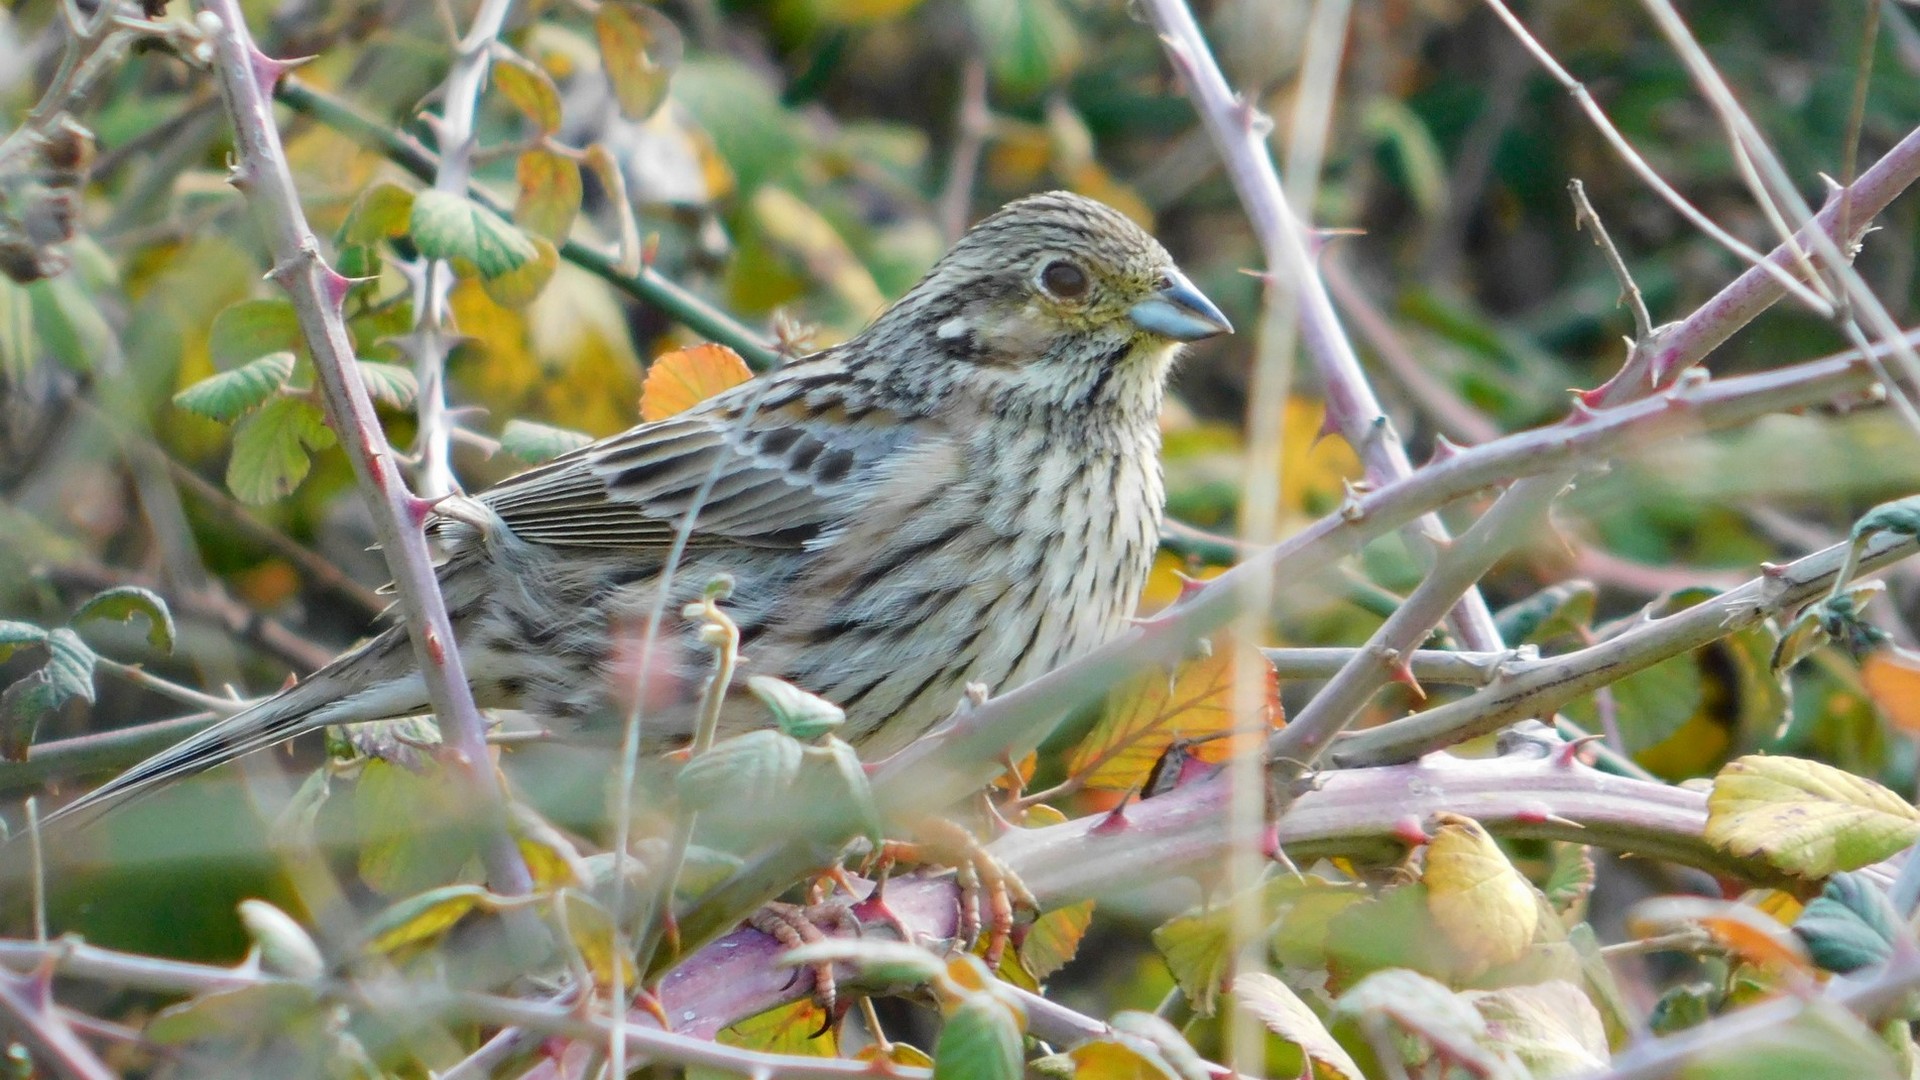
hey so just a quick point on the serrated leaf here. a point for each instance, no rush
(528, 88)
(548, 196)
(383, 211)
(251, 329)
(285, 947)
(270, 448)
(18, 635)
(979, 1041)
(520, 286)
(122, 603)
(1275, 1005)
(679, 380)
(800, 714)
(1144, 715)
(535, 443)
(802, 1028)
(446, 226)
(1053, 939)
(61, 685)
(229, 395)
(1849, 926)
(640, 49)
(1479, 901)
(599, 944)
(1804, 817)
(1551, 1026)
(1570, 878)
(752, 767)
(391, 385)
(1425, 1021)
(425, 917)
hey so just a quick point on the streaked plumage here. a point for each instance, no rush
(968, 491)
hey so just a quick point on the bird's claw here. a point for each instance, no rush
(794, 925)
(984, 881)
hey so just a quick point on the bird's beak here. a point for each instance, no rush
(1179, 311)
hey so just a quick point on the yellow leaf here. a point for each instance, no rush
(1478, 900)
(1275, 1004)
(789, 1029)
(1144, 716)
(683, 378)
(1804, 817)
(600, 946)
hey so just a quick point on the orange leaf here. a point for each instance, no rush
(683, 378)
(1143, 717)
(1893, 682)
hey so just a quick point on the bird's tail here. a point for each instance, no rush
(374, 682)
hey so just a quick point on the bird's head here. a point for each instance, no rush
(1054, 300)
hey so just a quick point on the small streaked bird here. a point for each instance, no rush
(967, 492)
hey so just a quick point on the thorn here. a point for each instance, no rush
(267, 72)
(335, 286)
(1570, 754)
(1775, 571)
(419, 509)
(436, 649)
(1350, 508)
(1115, 820)
(1407, 828)
(1270, 843)
(1400, 671)
(1329, 427)
(292, 681)
(1583, 410)
(649, 250)
(1444, 449)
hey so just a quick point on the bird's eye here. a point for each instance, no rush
(1064, 280)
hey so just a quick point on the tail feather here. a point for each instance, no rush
(373, 682)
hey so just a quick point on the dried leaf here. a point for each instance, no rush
(1145, 715)
(640, 49)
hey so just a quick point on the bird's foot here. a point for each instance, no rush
(991, 895)
(794, 925)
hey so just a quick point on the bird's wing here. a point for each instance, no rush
(776, 472)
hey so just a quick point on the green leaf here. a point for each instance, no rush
(528, 88)
(420, 919)
(880, 963)
(270, 449)
(549, 193)
(231, 394)
(62, 684)
(18, 635)
(800, 714)
(519, 287)
(1424, 1021)
(599, 944)
(640, 49)
(247, 1011)
(1275, 1004)
(285, 946)
(1849, 926)
(69, 321)
(979, 1041)
(1822, 1040)
(382, 212)
(1029, 44)
(19, 351)
(390, 384)
(415, 833)
(1804, 817)
(251, 329)
(534, 443)
(749, 768)
(1145, 1030)
(448, 226)
(123, 603)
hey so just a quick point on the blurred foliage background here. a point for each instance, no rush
(814, 157)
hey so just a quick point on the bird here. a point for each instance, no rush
(966, 492)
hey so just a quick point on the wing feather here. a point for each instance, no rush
(776, 479)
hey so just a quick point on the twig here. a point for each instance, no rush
(649, 285)
(1585, 216)
(27, 1009)
(107, 751)
(431, 337)
(1428, 665)
(212, 605)
(971, 126)
(1537, 687)
(1239, 133)
(246, 80)
(186, 695)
